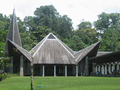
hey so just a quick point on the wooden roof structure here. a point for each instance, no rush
(13, 33)
(21, 50)
(50, 50)
(106, 58)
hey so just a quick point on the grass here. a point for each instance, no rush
(62, 83)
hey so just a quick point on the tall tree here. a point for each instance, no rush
(107, 20)
(65, 27)
(4, 25)
(47, 16)
(111, 40)
(84, 25)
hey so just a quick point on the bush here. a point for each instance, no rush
(0, 77)
(4, 76)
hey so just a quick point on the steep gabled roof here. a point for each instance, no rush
(84, 52)
(13, 33)
(52, 51)
(21, 50)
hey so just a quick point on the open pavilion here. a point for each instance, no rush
(51, 57)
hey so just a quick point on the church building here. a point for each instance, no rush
(51, 57)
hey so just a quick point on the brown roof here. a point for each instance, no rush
(106, 58)
(99, 53)
(52, 51)
(21, 50)
(90, 51)
(13, 33)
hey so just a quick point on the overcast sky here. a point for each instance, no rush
(75, 9)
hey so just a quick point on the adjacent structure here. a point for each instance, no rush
(51, 57)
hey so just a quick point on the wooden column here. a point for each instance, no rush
(86, 66)
(66, 70)
(11, 68)
(21, 65)
(93, 67)
(54, 70)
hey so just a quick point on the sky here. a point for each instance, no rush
(77, 10)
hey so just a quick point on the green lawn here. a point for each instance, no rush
(62, 83)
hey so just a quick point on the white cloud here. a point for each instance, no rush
(75, 9)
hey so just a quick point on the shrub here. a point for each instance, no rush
(0, 77)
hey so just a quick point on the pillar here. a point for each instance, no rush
(102, 69)
(43, 71)
(54, 70)
(117, 66)
(11, 68)
(106, 69)
(66, 70)
(21, 65)
(113, 67)
(81, 68)
(109, 68)
(93, 66)
(76, 70)
(99, 68)
(86, 66)
(96, 68)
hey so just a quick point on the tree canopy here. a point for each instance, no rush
(47, 19)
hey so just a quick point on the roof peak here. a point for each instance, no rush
(13, 33)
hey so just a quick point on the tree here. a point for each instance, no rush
(47, 16)
(107, 20)
(65, 27)
(41, 32)
(27, 39)
(84, 25)
(79, 43)
(91, 35)
(111, 40)
(87, 34)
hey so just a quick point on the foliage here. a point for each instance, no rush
(84, 25)
(4, 61)
(111, 40)
(106, 20)
(41, 32)
(47, 19)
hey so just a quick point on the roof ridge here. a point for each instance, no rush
(76, 59)
(37, 44)
(87, 47)
(64, 46)
(19, 48)
(18, 45)
(41, 45)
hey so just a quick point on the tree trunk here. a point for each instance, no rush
(31, 76)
